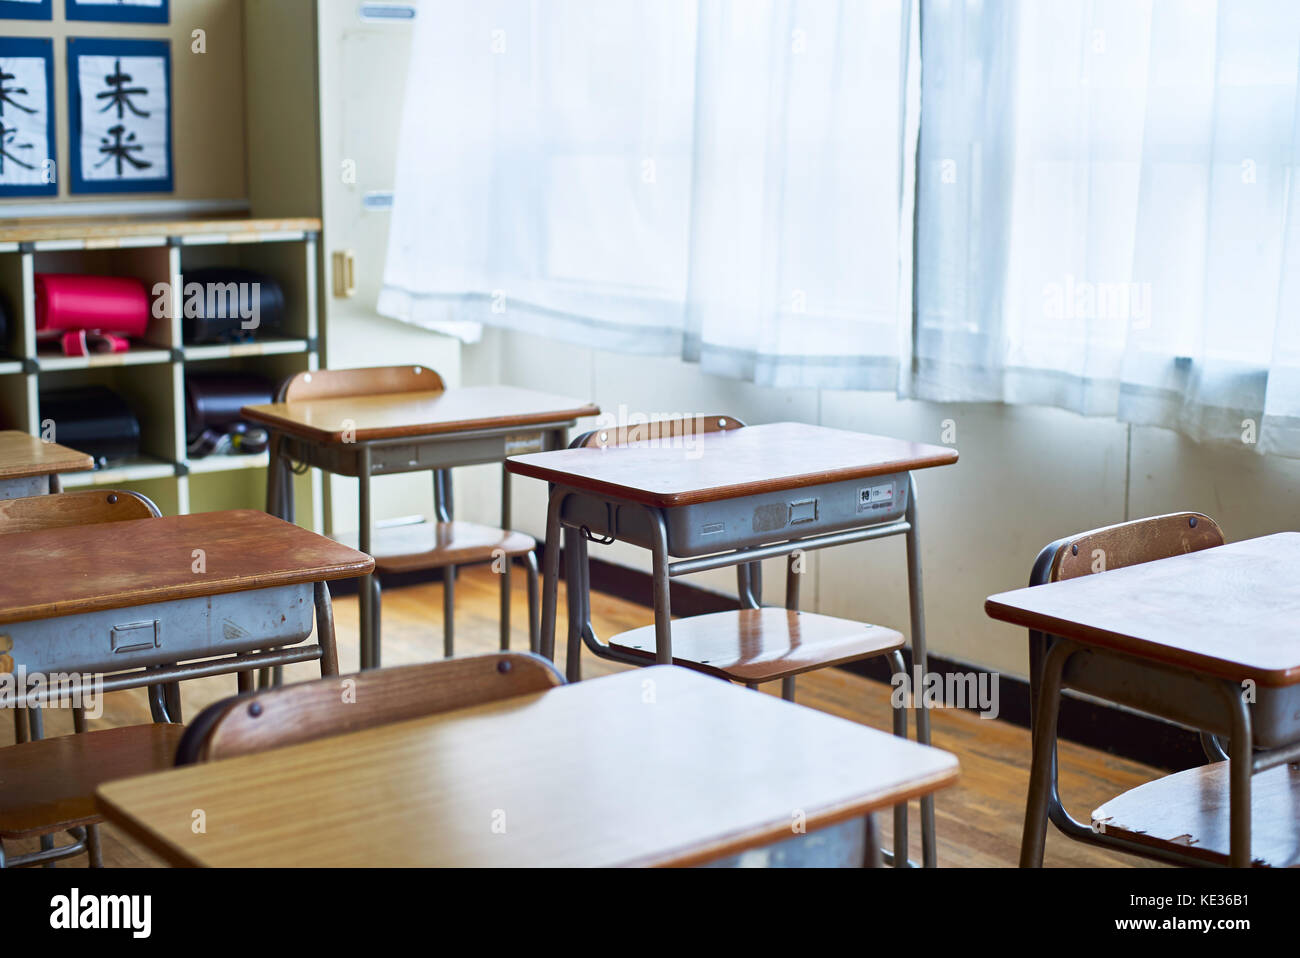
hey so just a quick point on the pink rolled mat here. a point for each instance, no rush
(114, 304)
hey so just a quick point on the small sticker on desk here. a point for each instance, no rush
(876, 497)
(518, 445)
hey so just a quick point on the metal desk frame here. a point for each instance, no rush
(746, 561)
(160, 679)
(437, 453)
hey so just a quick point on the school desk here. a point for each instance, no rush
(729, 497)
(610, 772)
(412, 431)
(30, 466)
(175, 597)
(1208, 639)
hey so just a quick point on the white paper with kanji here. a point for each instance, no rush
(124, 126)
(24, 122)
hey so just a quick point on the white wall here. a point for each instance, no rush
(1026, 476)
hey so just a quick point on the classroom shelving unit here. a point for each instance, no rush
(151, 375)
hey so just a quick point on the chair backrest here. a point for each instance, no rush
(656, 429)
(293, 714)
(370, 381)
(81, 508)
(1125, 544)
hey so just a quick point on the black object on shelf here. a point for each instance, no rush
(94, 420)
(212, 405)
(228, 304)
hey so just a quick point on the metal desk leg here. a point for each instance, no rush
(369, 650)
(1240, 768)
(574, 566)
(273, 475)
(659, 575)
(329, 660)
(551, 574)
(900, 810)
(916, 608)
(530, 565)
(505, 569)
(871, 842)
(448, 611)
(1044, 742)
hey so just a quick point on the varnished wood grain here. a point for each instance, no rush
(611, 771)
(49, 785)
(760, 645)
(408, 414)
(23, 455)
(1188, 812)
(334, 706)
(84, 569)
(729, 463)
(366, 381)
(82, 508)
(36, 230)
(1229, 611)
(434, 545)
(1132, 543)
(980, 817)
(658, 429)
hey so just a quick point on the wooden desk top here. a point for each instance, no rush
(23, 455)
(1232, 611)
(114, 565)
(418, 413)
(590, 774)
(724, 465)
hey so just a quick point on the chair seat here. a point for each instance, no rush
(417, 546)
(1188, 812)
(760, 645)
(49, 785)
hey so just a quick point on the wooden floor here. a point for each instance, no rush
(979, 820)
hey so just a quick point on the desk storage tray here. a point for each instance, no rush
(710, 527)
(161, 633)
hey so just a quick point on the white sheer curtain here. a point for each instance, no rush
(1107, 215)
(725, 179)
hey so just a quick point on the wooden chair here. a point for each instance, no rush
(1105, 550)
(273, 718)
(439, 542)
(752, 644)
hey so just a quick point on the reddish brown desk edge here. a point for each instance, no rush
(922, 456)
(71, 570)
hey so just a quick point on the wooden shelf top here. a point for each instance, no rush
(23, 455)
(724, 465)
(589, 774)
(78, 569)
(35, 231)
(1230, 611)
(435, 412)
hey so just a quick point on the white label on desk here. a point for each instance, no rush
(518, 445)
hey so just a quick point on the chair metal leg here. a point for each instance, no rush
(78, 719)
(35, 723)
(448, 611)
(369, 649)
(20, 724)
(505, 572)
(244, 681)
(787, 688)
(792, 582)
(1044, 747)
(530, 566)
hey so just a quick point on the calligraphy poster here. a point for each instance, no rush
(121, 11)
(28, 9)
(119, 95)
(27, 166)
